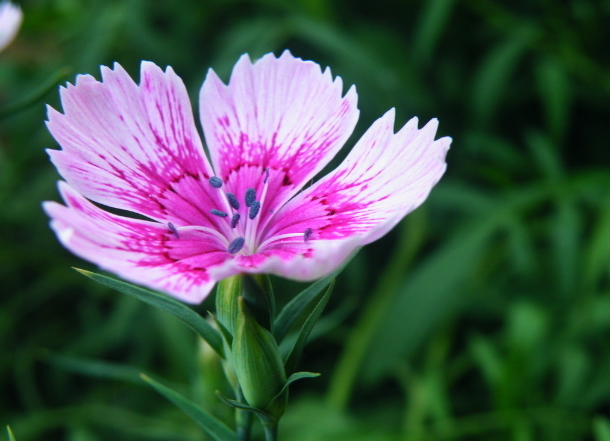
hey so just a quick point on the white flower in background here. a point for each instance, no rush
(10, 20)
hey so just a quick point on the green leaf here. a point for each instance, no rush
(37, 94)
(10, 435)
(432, 21)
(491, 81)
(601, 428)
(293, 309)
(167, 304)
(295, 377)
(212, 426)
(555, 95)
(95, 368)
(242, 406)
(297, 349)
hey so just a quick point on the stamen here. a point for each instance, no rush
(307, 234)
(234, 220)
(236, 245)
(233, 201)
(254, 209)
(266, 175)
(250, 196)
(173, 230)
(215, 182)
(218, 213)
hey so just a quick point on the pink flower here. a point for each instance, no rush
(10, 21)
(274, 127)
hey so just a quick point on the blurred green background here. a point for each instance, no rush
(484, 316)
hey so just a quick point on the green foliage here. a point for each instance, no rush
(484, 316)
(213, 427)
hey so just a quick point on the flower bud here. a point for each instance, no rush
(257, 363)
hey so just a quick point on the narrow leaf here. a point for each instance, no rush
(294, 377)
(242, 406)
(167, 304)
(432, 21)
(293, 309)
(95, 368)
(298, 376)
(212, 426)
(9, 432)
(297, 349)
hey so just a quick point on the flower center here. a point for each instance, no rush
(241, 234)
(238, 228)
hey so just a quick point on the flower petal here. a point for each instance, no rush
(385, 177)
(144, 252)
(133, 147)
(281, 114)
(10, 21)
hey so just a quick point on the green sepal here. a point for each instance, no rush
(258, 294)
(227, 363)
(257, 363)
(227, 292)
(293, 357)
(167, 304)
(9, 433)
(224, 332)
(293, 309)
(212, 426)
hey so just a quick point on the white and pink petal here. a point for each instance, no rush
(385, 177)
(130, 146)
(148, 253)
(282, 116)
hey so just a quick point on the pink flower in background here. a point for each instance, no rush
(10, 20)
(247, 209)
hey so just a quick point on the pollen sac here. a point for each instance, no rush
(307, 234)
(235, 220)
(215, 182)
(173, 230)
(233, 202)
(236, 245)
(218, 213)
(250, 196)
(254, 209)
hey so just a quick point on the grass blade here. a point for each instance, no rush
(297, 349)
(167, 304)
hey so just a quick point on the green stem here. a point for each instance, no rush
(243, 420)
(271, 433)
(362, 335)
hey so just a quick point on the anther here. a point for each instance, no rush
(307, 234)
(234, 220)
(254, 209)
(173, 230)
(218, 213)
(233, 201)
(266, 175)
(250, 196)
(215, 182)
(236, 245)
